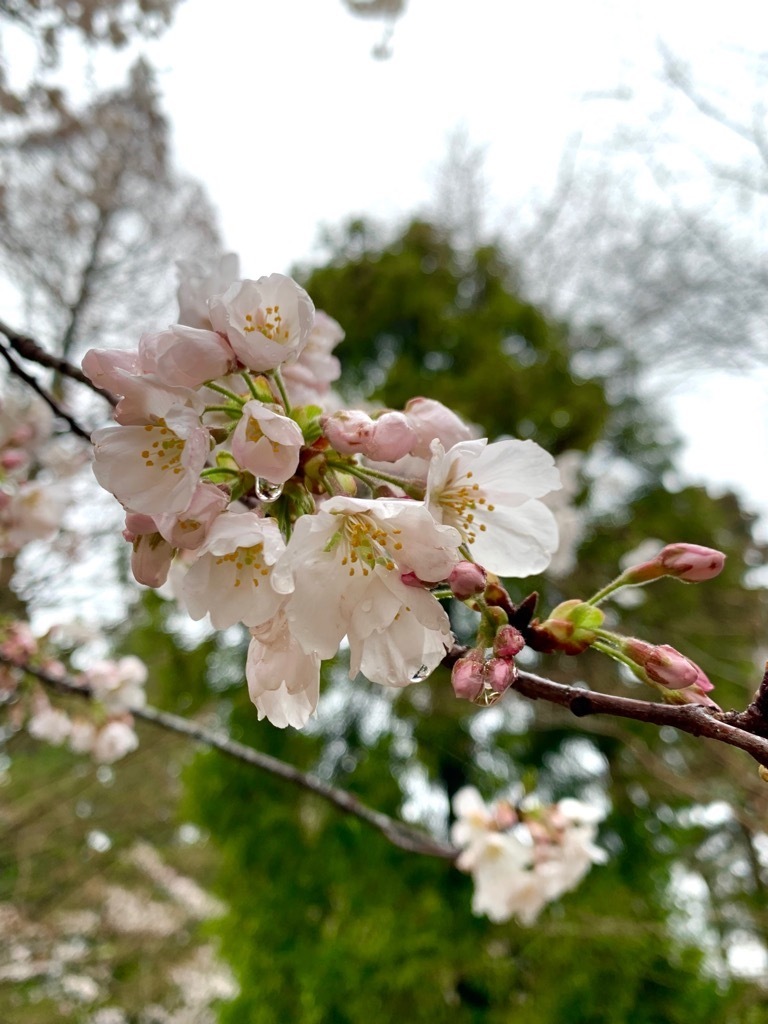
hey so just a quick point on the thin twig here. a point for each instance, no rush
(30, 381)
(29, 349)
(690, 718)
(397, 832)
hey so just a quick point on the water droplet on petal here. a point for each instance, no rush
(420, 674)
(266, 490)
(366, 606)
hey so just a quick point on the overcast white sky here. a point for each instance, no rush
(280, 109)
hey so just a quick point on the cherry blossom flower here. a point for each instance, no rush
(267, 321)
(308, 380)
(283, 680)
(185, 356)
(49, 724)
(197, 285)
(333, 570)
(113, 741)
(488, 493)
(397, 634)
(266, 443)
(230, 577)
(520, 861)
(154, 467)
(385, 439)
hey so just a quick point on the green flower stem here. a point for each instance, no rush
(230, 410)
(277, 377)
(218, 470)
(251, 386)
(237, 399)
(609, 589)
(617, 655)
(372, 476)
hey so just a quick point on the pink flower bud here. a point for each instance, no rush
(431, 420)
(666, 666)
(385, 439)
(468, 676)
(508, 642)
(691, 562)
(500, 674)
(348, 430)
(466, 580)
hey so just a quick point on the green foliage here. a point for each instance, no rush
(330, 924)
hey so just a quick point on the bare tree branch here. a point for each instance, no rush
(398, 833)
(30, 381)
(690, 718)
(29, 349)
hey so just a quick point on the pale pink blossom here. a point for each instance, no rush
(153, 468)
(283, 680)
(267, 443)
(328, 573)
(308, 380)
(188, 529)
(197, 285)
(385, 439)
(521, 863)
(185, 356)
(49, 724)
(151, 555)
(118, 685)
(489, 492)
(266, 322)
(33, 512)
(433, 421)
(114, 741)
(397, 634)
(230, 578)
(82, 735)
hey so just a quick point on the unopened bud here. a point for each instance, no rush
(664, 664)
(500, 674)
(690, 563)
(570, 628)
(468, 676)
(466, 580)
(508, 642)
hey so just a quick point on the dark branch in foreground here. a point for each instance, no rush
(29, 349)
(29, 380)
(397, 832)
(737, 729)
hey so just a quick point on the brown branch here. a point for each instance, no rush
(30, 381)
(29, 349)
(397, 832)
(690, 718)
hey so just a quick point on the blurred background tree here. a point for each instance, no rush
(327, 922)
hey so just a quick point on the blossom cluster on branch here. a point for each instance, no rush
(305, 522)
(258, 498)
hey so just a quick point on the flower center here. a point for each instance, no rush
(267, 321)
(365, 543)
(165, 451)
(248, 563)
(462, 501)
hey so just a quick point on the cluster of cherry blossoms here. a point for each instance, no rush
(305, 522)
(523, 856)
(35, 468)
(105, 731)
